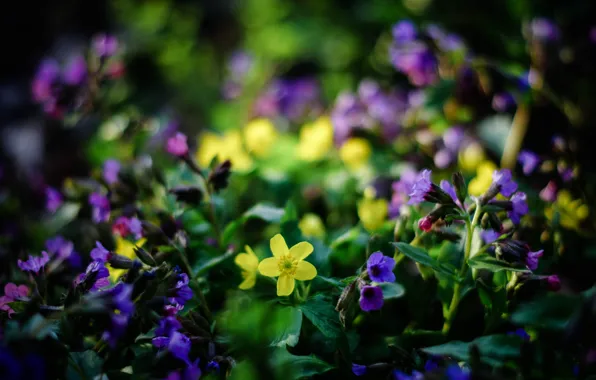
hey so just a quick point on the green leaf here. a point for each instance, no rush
(346, 237)
(230, 230)
(265, 212)
(494, 349)
(205, 266)
(301, 366)
(291, 325)
(322, 314)
(38, 327)
(550, 312)
(485, 261)
(420, 256)
(83, 365)
(392, 290)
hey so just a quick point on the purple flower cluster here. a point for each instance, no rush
(168, 338)
(35, 263)
(401, 190)
(63, 249)
(100, 207)
(370, 108)
(293, 99)
(379, 269)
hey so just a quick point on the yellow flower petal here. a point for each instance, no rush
(355, 152)
(247, 261)
(285, 285)
(278, 246)
(311, 225)
(301, 250)
(250, 280)
(270, 267)
(305, 271)
(260, 135)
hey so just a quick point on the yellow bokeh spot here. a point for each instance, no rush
(571, 212)
(228, 146)
(355, 153)
(372, 213)
(471, 157)
(311, 225)
(126, 249)
(316, 139)
(484, 178)
(259, 136)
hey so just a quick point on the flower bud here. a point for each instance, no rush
(120, 262)
(425, 224)
(187, 194)
(553, 283)
(346, 303)
(220, 175)
(145, 256)
(460, 186)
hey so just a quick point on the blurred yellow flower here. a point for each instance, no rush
(248, 262)
(311, 225)
(484, 178)
(288, 264)
(570, 212)
(316, 139)
(126, 249)
(372, 212)
(471, 157)
(259, 136)
(226, 147)
(355, 152)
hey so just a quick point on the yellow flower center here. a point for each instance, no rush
(288, 265)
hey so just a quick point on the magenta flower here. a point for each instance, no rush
(177, 145)
(426, 223)
(99, 253)
(420, 188)
(549, 193)
(12, 292)
(100, 207)
(371, 298)
(125, 226)
(45, 79)
(105, 45)
(111, 169)
(529, 161)
(532, 259)
(520, 207)
(35, 263)
(75, 72)
(503, 179)
(53, 199)
(380, 267)
(553, 283)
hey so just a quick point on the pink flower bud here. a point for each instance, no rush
(553, 283)
(177, 145)
(425, 224)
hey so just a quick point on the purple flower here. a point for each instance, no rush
(380, 267)
(99, 253)
(167, 326)
(520, 207)
(529, 161)
(121, 299)
(97, 273)
(455, 372)
(565, 173)
(503, 101)
(532, 259)
(399, 375)
(59, 246)
(544, 30)
(105, 45)
(359, 369)
(179, 346)
(521, 333)
(489, 236)
(100, 207)
(42, 87)
(181, 291)
(192, 372)
(35, 263)
(549, 193)
(401, 189)
(177, 145)
(453, 138)
(421, 187)
(416, 61)
(371, 298)
(213, 366)
(447, 187)
(443, 158)
(116, 330)
(76, 71)
(404, 31)
(430, 365)
(553, 283)
(239, 65)
(502, 178)
(111, 169)
(53, 199)
(135, 227)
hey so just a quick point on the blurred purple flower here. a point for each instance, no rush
(565, 173)
(529, 161)
(521, 333)
(371, 298)
(453, 138)
(75, 71)
(46, 77)
(111, 169)
(554, 283)
(239, 65)
(503, 101)
(177, 145)
(99, 253)
(420, 188)
(97, 273)
(53, 199)
(401, 190)
(399, 375)
(503, 179)
(443, 158)
(179, 346)
(104, 45)
(100, 207)
(404, 31)
(416, 61)
(549, 193)
(543, 29)
(489, 236)
(532, 259)
(167, 326)
(213, 366)
(447, 187)
(181, 292)
(520, 207)
(455, 372)
(191, 372)
(35, 263)
(380, 267)
(359, 369)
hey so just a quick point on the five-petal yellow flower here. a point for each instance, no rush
(249, 263)
(288, 264)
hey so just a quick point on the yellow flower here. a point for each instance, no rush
(372, 212)
(570, 212)
(249, 263)
(259, 136)
(288, 264)
(484, 178)
(471, 157)
(316, 139)
(126, 249)
(226, 147)
(311, 225)
(355, 152)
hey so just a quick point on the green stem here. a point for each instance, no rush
(457, 289)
